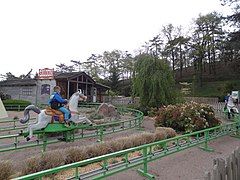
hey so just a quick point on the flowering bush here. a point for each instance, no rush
(186, 117)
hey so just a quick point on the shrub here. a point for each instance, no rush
(57, 158)
(152, 112)
(4, 96)
(75, 154)
(186, 117)
(14, 101)
(44, 161)
(6, 169)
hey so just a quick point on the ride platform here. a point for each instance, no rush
(52, 128)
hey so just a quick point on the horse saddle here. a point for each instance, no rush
(56, 115)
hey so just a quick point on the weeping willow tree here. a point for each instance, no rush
(153, 82)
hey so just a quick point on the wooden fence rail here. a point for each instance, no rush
(226, 170)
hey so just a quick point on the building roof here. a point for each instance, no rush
(18, 82)
(33, 82)
(102, 85)
(75, 74)
(64, 75)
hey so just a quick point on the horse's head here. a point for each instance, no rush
(73, 101)
(82, 97)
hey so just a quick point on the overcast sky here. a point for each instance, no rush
(36, 34)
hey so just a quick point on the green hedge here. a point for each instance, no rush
(16, 102)
(15, 105)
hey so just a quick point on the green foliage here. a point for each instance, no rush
(153, 82)
(112, 93)
(215, 89)
(186, 117)
(4, 96)
(152, 112)
(233, 85)
(124, 87)
(112, 68)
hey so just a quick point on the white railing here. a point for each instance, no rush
(206, 100)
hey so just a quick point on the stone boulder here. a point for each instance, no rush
(106, 112)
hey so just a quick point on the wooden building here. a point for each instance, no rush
(71, 82)
(38, 90)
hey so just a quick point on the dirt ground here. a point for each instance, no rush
(189, 164)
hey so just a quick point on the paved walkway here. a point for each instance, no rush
(189, 164)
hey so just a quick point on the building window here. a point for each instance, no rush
(45, 89)
(27, 91)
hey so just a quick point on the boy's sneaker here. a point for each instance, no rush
(67, 124)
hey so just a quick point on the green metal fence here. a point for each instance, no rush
(14, 107)
(12, 125)
(147, 153)
(71, 134)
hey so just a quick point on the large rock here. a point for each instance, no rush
(107, 110)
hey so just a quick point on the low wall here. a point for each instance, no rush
(120, 100)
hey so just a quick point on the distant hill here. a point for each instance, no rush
(224, 71)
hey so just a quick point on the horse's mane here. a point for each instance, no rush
(75, 94)
(78, 93)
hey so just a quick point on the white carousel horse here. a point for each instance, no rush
(43, 119)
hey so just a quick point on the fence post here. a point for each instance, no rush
(216, 175)
(101, 135)
(221, 170)
(229, 168)
(144, 172)
(237, 154)
(206, 139)
(234, 166)
(76, 173)
(44, 141)
(140, 120)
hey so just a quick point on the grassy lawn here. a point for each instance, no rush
(215, 89)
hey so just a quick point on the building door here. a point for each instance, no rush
(94, 94)
(72, 88)
(63, 86)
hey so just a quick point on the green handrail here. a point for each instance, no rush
(13, 125)
(149, 153)
(100, 131)
(16, 107)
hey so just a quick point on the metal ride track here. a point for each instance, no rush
(147, 153)
(69, 134)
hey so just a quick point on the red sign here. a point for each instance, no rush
(46, 73)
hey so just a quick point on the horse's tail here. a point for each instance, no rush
(26, 113)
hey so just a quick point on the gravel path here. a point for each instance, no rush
(189, 164)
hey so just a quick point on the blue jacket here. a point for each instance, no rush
(56, 100)
(226, 98)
